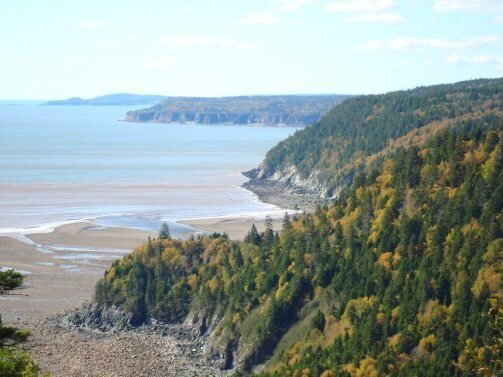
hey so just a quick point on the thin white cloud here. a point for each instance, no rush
(245, 46)
(361, 6)
(383, 18)
(402, 63)
(260, 19)
(456, 59)
(195, 40)
(467, 5)
(111, 45)
(225, 41)
(159, 62)
(411, 43)
(477, 59)
(91, 24)
(367, 11)
(187, 40)
(292, 5)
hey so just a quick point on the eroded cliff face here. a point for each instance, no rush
(286, 187)
(290, 176)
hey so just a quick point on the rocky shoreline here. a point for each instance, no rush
(282, 194)
(79, 343)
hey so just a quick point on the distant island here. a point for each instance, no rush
(292, 110)
(110, 100)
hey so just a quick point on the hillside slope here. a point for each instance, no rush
(400, 276)
(351, 137)
(299, 110)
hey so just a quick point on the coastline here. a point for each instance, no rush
(101, 211)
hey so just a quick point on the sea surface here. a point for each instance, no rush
(63, 164)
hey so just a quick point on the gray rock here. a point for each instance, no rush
(95, 317)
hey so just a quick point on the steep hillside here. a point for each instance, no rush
(351, 137)
(400, 276)
(268, 110)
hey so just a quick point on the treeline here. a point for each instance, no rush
(400, 276)
(351, 137)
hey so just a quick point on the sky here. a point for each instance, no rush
(55, 49)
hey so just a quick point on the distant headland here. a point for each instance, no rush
(110, 100)
(291, 110)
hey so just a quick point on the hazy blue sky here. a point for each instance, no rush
(58, 49)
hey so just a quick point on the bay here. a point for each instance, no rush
(60, 164)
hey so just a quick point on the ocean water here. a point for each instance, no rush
(62, 164)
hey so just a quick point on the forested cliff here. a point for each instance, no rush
(297, 110)
(352, 137)
(399, 276)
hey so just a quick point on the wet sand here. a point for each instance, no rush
(86, 234)
(63, 267)
(235, 227)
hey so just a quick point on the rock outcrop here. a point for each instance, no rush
(92, 316)
(286, 188)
